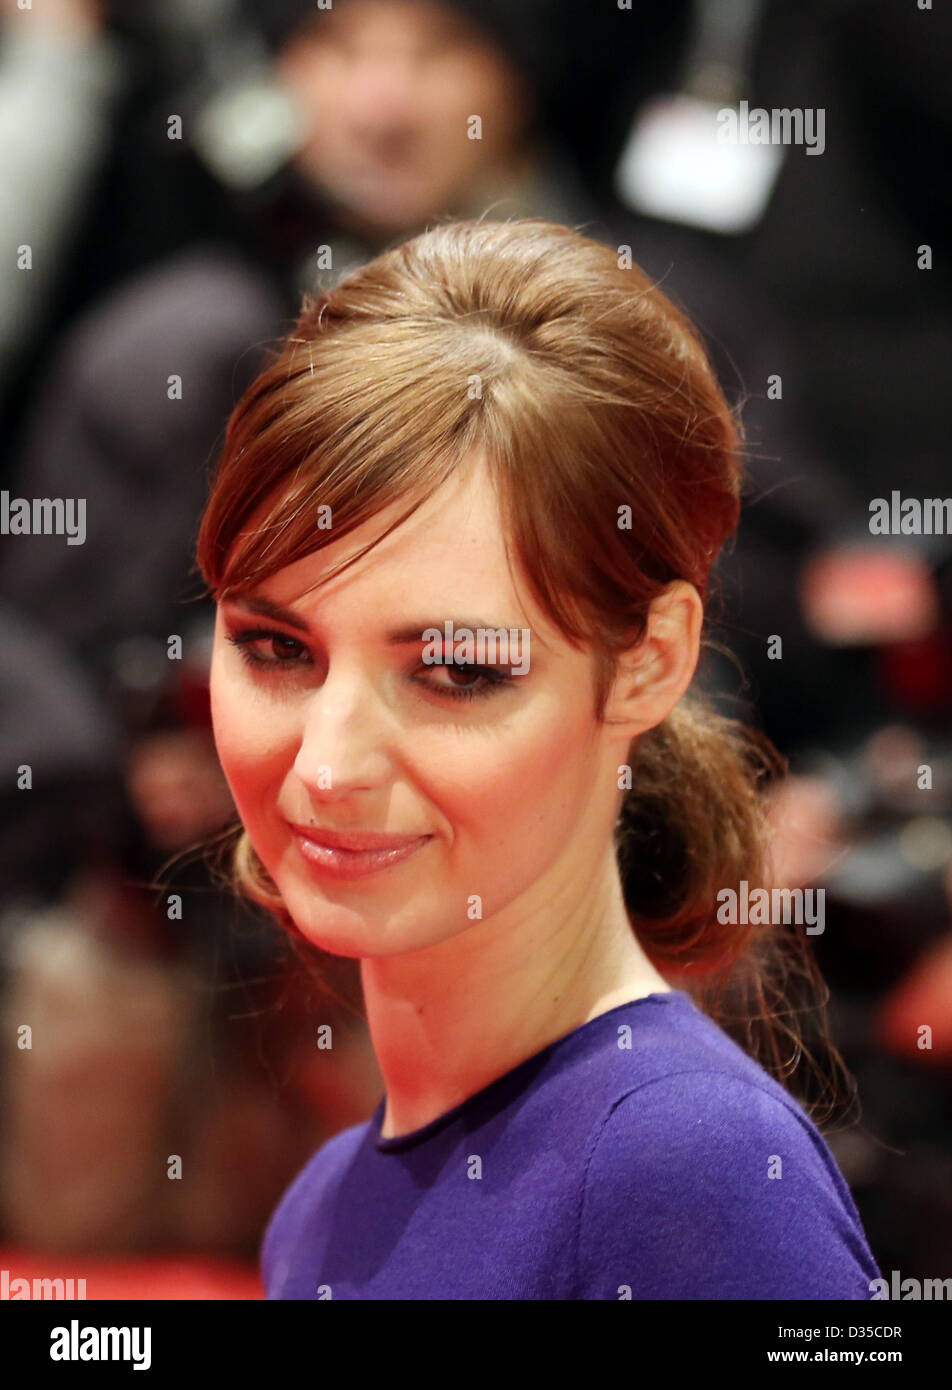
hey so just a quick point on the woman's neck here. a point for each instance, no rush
(449, 1020)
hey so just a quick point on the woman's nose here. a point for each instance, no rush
(344, 739)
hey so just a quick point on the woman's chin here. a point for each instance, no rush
(341, 932)
(365, 936)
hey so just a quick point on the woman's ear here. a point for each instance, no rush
(652, 677)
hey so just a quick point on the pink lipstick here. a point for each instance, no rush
(350, 855)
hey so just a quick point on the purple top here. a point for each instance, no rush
(644, 1155)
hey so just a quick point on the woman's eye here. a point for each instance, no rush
(475, 682)
(285, 651)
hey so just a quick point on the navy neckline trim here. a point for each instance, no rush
(417, 1136)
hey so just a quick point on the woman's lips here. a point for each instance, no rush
(352, 855)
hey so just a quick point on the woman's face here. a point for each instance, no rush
(509, 792)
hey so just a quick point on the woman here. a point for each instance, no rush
(460, 539)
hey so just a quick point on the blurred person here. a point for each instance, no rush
(55, 737)
(839, 254)
(61, 73)
(417, 108)
(837, 249)
(476, 410)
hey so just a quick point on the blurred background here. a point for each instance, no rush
(174, 173)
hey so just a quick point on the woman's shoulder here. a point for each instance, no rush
(725, 1189)
(707, 1112)
(301, 1198)
(687, 1095)
(683, 1065)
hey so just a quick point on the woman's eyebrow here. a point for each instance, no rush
(401, 636)
(267, 609)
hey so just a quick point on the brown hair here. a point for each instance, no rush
(590, 394)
